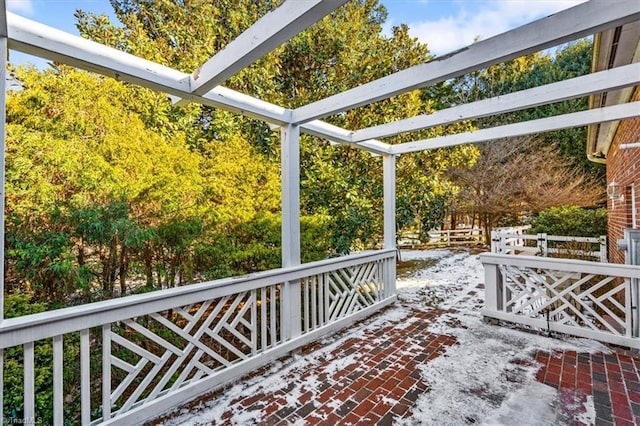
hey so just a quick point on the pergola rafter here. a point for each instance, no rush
(616, 78)
(40, 40)
(571, 24)
(540, 125)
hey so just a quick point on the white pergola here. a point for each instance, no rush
(290, 18)
(204, 86)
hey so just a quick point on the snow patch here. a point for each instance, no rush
(532, 405)
(423, 254)
(484, 377)
(588, 416)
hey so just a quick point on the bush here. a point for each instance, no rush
(571, 221)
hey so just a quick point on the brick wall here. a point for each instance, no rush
(623, 167)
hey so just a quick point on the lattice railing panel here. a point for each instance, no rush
(164, 351)
(128, 359)
(336, 294)
(575, 299)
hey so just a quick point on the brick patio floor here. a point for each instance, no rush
(373, 376)
(381, 382)
(378, 383)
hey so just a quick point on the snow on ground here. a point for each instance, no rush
(487, 378)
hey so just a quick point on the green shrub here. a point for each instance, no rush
(571, 221)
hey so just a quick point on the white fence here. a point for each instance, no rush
(144, 354)
(581, 298)
(447, 237)
(539, 244)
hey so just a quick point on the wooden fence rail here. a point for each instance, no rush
(447, 237)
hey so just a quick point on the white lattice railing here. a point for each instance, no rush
(587, 299)
(141, 355)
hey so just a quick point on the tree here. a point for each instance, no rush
(571, 220)
(516, 177)
(570, 61)
(86, 184)
(343, 50)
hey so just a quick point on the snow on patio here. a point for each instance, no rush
(429, 359)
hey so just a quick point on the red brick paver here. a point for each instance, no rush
(381, 384)
(612, 380)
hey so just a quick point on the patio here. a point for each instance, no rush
(428, 359)
(431, 359)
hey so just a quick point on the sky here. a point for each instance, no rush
(445, 25)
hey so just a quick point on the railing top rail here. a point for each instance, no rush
(575, 239)
(507, 235)
(518, 236)
(27, 328)
(570, 265)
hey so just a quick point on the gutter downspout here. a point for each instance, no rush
(593, 129)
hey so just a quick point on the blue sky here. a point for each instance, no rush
(445, 25)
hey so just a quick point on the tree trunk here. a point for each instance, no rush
(123, 270)
(487, 224)
(148, 265)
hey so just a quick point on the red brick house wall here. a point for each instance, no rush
(623, 167)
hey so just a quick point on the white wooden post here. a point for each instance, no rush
(389, 177)
(106, 372)
(495, 242)
(3, 95)
(634, 305)
(628, 309)
(85, 378)
(493, 287)
(29, 401)
(291, 294)
(58, 367)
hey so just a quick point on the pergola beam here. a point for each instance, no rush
(50, 43)
(269, 32)
(579, 21)
(338, 134)
(233, 101)
(616, 78)
(558, 122)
